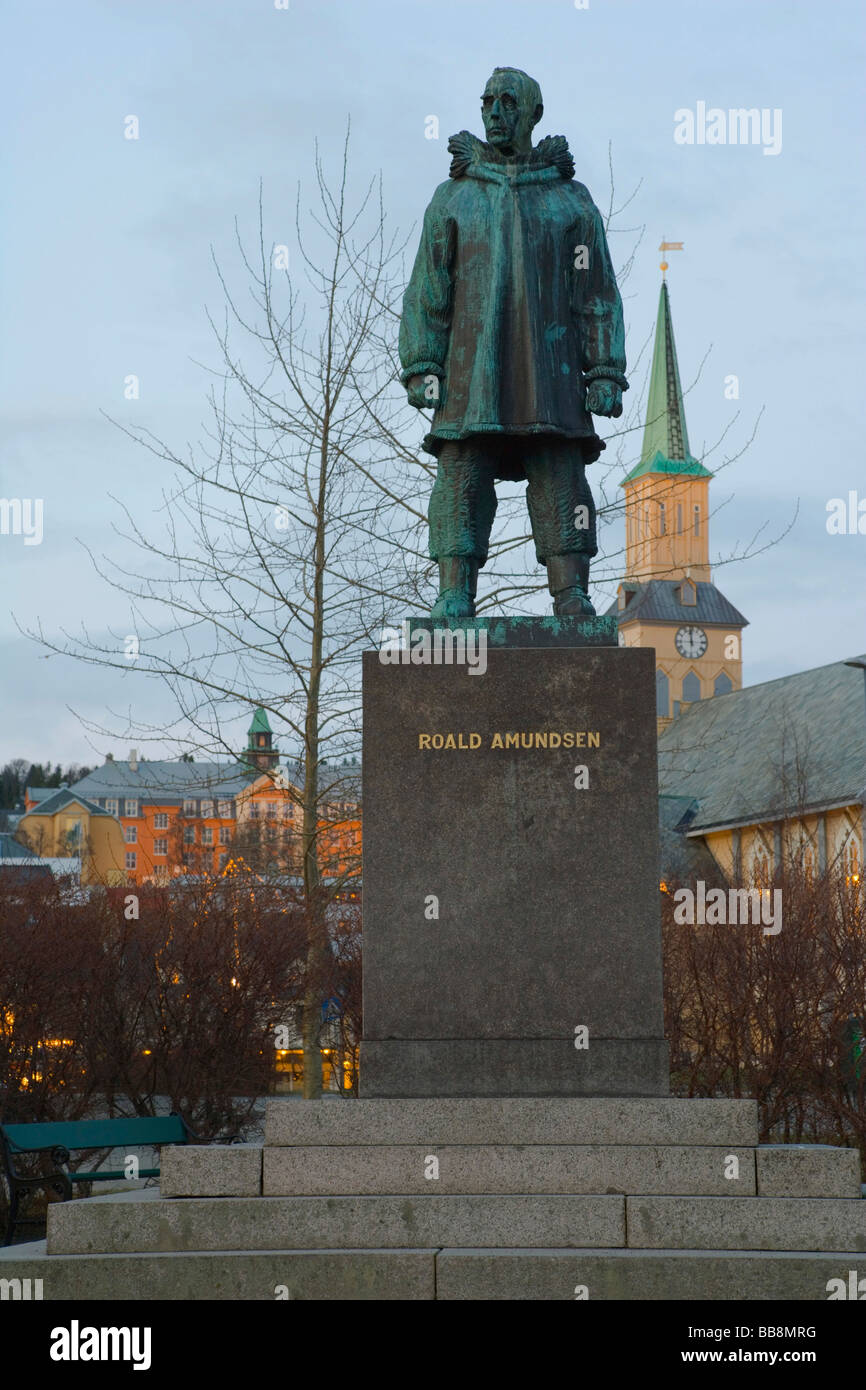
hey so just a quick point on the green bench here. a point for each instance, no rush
(61, 1138)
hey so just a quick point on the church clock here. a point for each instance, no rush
(691, 642)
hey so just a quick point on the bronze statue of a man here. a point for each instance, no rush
(512, 329)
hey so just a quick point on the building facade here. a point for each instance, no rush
(174, 817)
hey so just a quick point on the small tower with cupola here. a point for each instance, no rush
(260, 752)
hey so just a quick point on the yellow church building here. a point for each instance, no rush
(667, 598)
(749, 779)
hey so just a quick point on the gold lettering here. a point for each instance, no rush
(568, 740)
(423, 740)
(475, 741)
(594, 740)
(496, 741)
(558, 741)
(512, 740)
(541, 740)
(580, 740)
(438, 740)
(449, 742)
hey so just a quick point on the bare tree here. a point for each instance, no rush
(287, 541)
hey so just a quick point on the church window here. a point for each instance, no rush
(662, 526)
(697, 511)
(761, 869)
(808, 863)
(691, 688)
(679, 518)
(662, 695)
(723, 685)
(851, 859)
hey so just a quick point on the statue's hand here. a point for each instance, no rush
(604, 398)
(424, 392)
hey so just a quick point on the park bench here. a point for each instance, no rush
(59, 1139)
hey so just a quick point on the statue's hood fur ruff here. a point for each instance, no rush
(550, 153)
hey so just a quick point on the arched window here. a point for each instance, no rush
(691, 688)
(663, 695)
(679, 518)
(697, 512)
(761, 869)
(851, 859)
(723, 685)
(662, 527)
(646, 521)
(808, 864)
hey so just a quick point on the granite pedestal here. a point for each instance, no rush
(511, 903)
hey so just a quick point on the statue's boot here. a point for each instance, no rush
(458, 581)
(568, 581)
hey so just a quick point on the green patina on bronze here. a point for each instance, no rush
(528, 631)
(512, 330)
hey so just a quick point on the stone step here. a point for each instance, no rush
(782, 1171)
(516, 1120)
(638, 1276)
(211, 1170)
(486, 1168)
(448, 1274)
(807, 1170)
(310, 1275)
(735, 1223)
(145, 1222)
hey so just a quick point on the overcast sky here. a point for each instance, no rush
(106, 266)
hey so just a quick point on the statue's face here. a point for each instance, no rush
(507, 115)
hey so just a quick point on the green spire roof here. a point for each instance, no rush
(665, 437)
(260, 723)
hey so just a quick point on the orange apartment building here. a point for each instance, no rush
(181, 817)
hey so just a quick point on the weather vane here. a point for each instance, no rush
(668, 246)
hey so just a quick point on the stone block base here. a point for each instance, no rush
(515, 1067)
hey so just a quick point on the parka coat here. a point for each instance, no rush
(512, 302)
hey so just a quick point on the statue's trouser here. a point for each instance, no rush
(561, 508)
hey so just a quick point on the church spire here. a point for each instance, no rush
(667, 491)
(665, 437)
(665, 432)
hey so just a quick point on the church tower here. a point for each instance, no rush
(667, 599)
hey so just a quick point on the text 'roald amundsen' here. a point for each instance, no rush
(584, 738)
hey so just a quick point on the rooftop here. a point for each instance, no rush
(798, 742)
(658, 602)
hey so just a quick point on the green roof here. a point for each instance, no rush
(665, 437)
(260, 723)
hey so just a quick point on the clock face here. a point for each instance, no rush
(691, 641)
